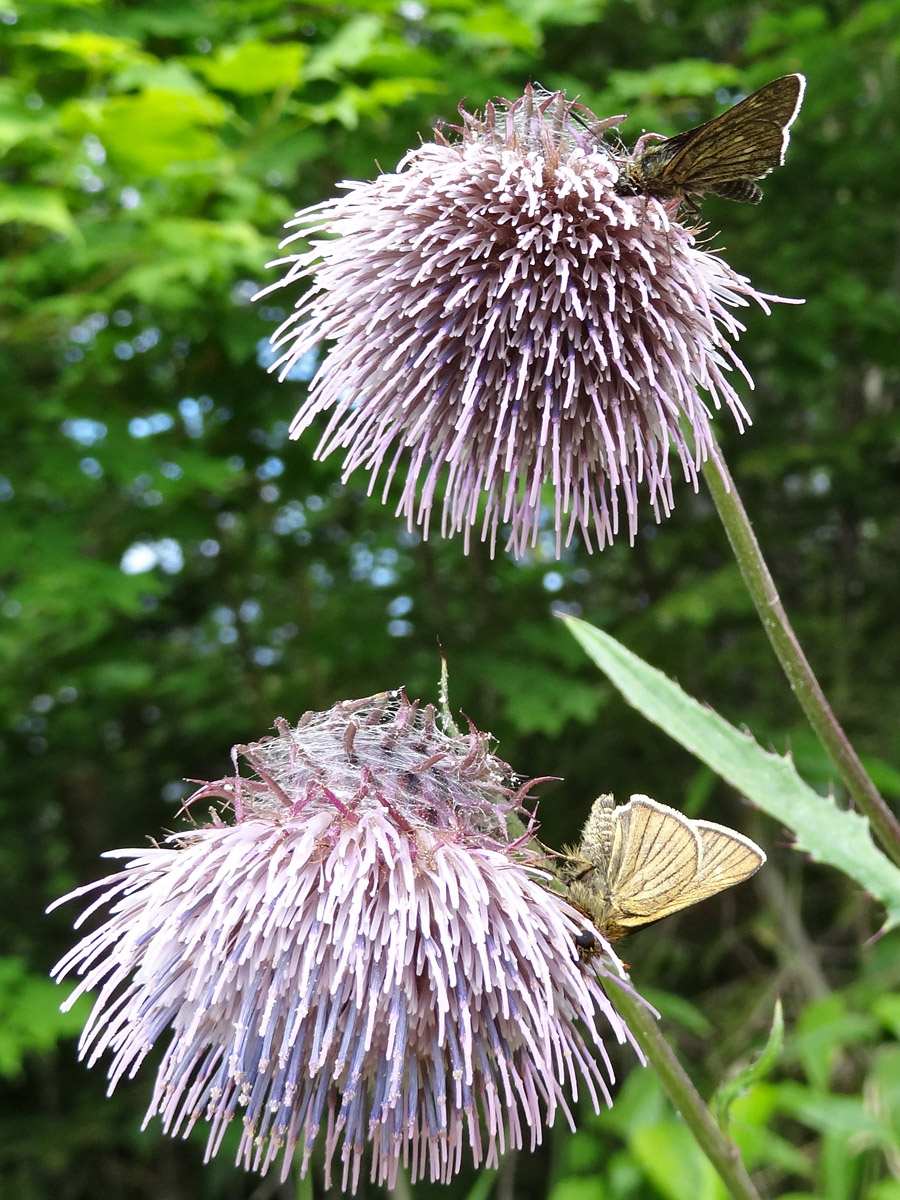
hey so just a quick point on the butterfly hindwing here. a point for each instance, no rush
(726, 858)
(655, 854)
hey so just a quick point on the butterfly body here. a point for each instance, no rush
(723, 156)
(642, 860)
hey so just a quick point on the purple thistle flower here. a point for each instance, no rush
(501, 320)
(365, 957)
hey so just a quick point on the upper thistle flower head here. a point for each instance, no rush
(500, 319)
(364, 960)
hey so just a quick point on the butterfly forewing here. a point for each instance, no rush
(724, 155)
(655, 855)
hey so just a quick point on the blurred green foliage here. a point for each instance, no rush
(175, 573)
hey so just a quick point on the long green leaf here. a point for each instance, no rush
(827, 833)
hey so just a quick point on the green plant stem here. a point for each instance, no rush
(720, 1150)
(793, 661)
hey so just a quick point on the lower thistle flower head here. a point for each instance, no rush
(501, 320)
(363, 960)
